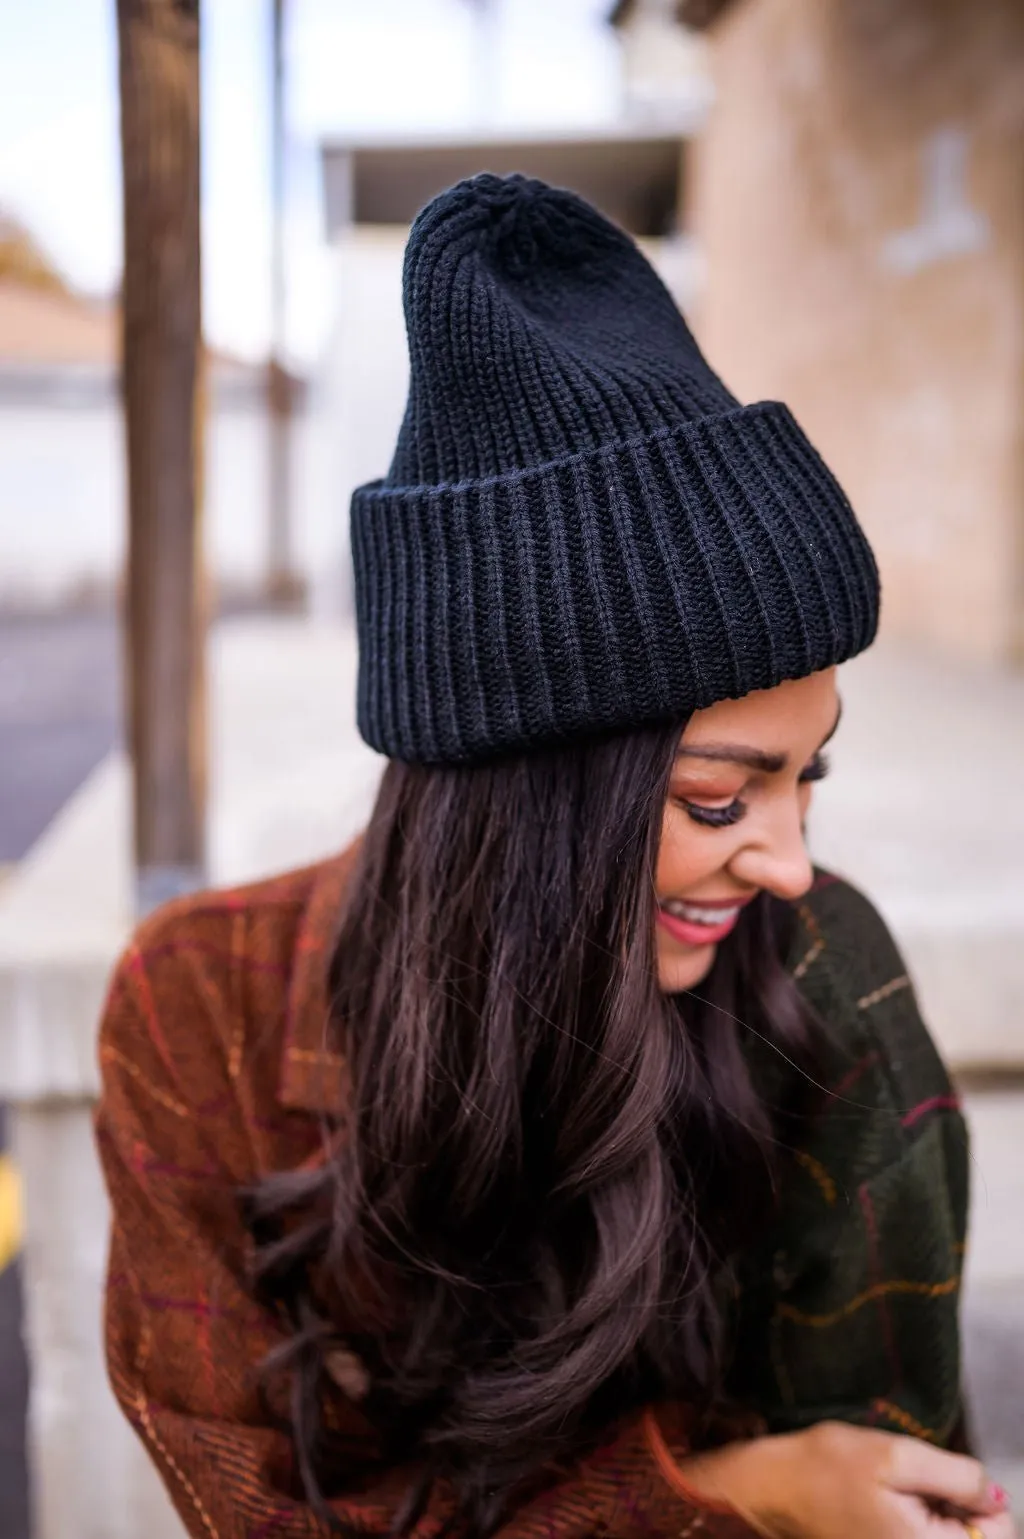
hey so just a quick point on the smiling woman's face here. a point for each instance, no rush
(733, 824)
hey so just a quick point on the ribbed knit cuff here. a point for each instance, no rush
(609, 590)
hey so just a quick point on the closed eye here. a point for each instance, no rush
(726, 817)
(818, 768)
(715, 817)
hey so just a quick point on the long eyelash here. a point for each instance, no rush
(716, 817)
(818, 768)
(725, 817)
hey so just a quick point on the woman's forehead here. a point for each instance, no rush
(769, 719)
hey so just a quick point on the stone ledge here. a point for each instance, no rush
(290, 782)
(63, 920)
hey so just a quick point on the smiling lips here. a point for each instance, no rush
(699, 924)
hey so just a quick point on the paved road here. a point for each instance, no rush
(59, 716)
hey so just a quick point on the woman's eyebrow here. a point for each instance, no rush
(736, 753)
(751, 758)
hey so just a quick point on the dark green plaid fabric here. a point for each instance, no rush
(850, 1309)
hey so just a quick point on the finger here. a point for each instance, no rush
(918, 1467)
(1002, 1527)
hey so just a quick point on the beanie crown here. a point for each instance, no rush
(581, 529)
(522, 349)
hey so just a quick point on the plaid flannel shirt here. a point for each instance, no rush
(216, 1069)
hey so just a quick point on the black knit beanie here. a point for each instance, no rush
(581, 531)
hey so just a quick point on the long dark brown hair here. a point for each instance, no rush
(544, 1163)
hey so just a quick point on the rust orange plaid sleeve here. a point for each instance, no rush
(183, 1335)
(178, 1131)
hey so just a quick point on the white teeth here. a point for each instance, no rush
(694, 914)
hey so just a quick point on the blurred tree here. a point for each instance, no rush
(285, 585)
(22, 261)
(161, 365)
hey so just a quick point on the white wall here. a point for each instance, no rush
(358, 400)
(61, 498)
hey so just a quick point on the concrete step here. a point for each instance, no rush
(993, 1304)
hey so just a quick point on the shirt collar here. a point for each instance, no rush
(314, 1075)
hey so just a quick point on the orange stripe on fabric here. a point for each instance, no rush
(879, 1290)
(817, 942)
(673, 1475)
(887, 989)
(137, 965)
(186, 945)
(817, 1170)
(146, 1422)
(315, 1055)
(904, 1419)
(110, 1054)
(239, 935)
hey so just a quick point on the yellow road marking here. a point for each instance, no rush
(10, 1211)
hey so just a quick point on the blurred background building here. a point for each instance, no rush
(860, 209)
(845, 228)
(62, 483)
(832, 191)
(372, 191)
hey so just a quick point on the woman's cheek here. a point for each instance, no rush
(668, 850)
(684, 857)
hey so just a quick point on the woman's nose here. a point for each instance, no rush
(776, 857)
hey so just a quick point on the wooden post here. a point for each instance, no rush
(163, 408)
(284, 585)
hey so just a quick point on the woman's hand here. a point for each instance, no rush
(835, 1481)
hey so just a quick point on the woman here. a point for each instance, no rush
(568, 1157)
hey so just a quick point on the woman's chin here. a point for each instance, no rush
(681, 969)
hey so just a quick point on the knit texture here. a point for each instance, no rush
(581, 530)
(217, 1068)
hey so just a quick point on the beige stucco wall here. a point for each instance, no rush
(859, 201)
